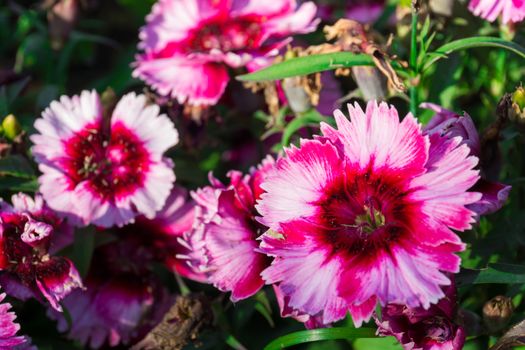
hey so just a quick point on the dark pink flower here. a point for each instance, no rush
(122, 300)
(104, 172)
(365, 11)
(424, 329)
(162, 236)
(450, 124)
(26, 267)
(511, 11)
(223, 241)
(365, 214)
(8, 326)
(189, 45)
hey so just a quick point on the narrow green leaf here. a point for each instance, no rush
(234, 343)
(320, 334)
(83, 249)
(468, 43)
(493, 273)
(16, 166)
(308, 65)
(309, 118)
(15, 184)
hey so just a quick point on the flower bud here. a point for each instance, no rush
(497, 313)
(442, 7)
(371, 83)
(11, 127)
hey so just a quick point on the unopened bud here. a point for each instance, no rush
(497, 313)
(11, 127)
(296, 95)
(371, 83)
(517, 110)
(442, 7)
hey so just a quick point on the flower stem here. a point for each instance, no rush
(413, 63)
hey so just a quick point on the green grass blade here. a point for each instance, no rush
(468, 43)
(320, 334)
(308, 65)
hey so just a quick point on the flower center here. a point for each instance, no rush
(371, 220)
(226, 35)
(364, 212)
(113, 166)
(437, 329)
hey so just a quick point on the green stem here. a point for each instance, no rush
(413, 64)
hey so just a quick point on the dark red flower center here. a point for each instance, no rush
(437, 329)
(114, 165)
(229, 35)
(362, 212)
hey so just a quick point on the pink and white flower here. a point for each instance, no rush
(365, 214)
(511, 11)
(450, 124)
(104, 172)
(8, 327)
(223, 241)
(189, 45)
(26, 267)
(420, 329)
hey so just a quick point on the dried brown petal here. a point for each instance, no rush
(497, 313)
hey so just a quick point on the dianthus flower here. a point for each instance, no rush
(365, 213)
(189, 45)
(223, 241)
(104, 171)
(511, 11)
(122, 300)
(450, 124)
(26, 267)
(8, 327)
(365, 11)
(420, 329)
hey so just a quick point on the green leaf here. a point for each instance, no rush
(16, 166)
(493, 273)
(309, 118)
(83, 249)
(308, 65)
(15, 184)
(468, 43)
(320, 334)
(383, 343)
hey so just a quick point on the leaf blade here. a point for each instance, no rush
(308, 65)
(318, 335)
(473, 42)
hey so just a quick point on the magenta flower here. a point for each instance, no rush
(223, 241)
(365, 11)
(189, 45)
(310, 322)
(26, 267)
(122, 300)
(449, 124)
(8, 326)
(511, 11)
(420, 329)
(104, 172)
(365, 214)
(162, 236)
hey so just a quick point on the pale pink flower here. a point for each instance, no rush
(26, 267)
(188, 45)
(223, 241)
(450, 124)
(511, 11)
(8, 327)
(365, 214)
(104, 172)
